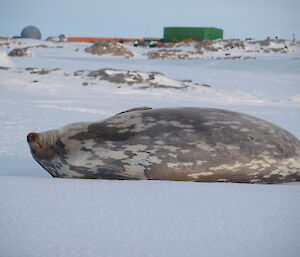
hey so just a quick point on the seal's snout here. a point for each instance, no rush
(33, 140)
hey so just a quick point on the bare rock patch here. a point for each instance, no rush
(101, 47)
(20, 52)
(139, 79)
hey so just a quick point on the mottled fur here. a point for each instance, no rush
(187, 144)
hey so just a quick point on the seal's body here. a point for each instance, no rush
(188, 144)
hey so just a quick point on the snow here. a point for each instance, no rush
(4, 60)
(65, 217)
(42, 216)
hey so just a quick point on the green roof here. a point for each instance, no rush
(196, 33)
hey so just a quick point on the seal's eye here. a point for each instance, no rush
(33, 140)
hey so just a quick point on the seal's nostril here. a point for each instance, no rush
(33, 138)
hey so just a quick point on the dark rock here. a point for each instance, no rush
(19, 52)
(101, 47)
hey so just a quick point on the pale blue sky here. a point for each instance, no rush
(140, 18)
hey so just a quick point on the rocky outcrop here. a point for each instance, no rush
(19, 52)
(139, 79)
(109, 47)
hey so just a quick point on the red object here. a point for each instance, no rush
(159, 45)
(91, 39)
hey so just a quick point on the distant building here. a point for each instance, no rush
(31, 32)
(195, 33)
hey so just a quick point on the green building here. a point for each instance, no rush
(183, 33)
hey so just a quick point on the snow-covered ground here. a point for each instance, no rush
(60, 217)
(43, 217)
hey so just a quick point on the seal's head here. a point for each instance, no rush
(46, 149)
(40, 147)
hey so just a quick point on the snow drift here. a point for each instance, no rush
(5, 62)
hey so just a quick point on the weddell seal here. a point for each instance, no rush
(182, 144)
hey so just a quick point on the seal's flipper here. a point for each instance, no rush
(107, 171)
(144, 108)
